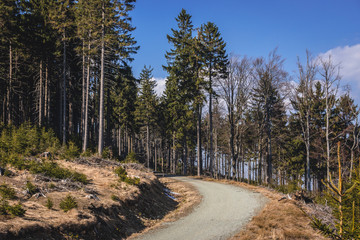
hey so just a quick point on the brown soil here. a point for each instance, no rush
(135, 208)
(280, 219)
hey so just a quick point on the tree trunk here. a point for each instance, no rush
(269, 158)
(9, 91)
(307, 145)
(64, 95)
(47, 98)
(185, 161)
(260, 160)
(83, 87)
(199, 152)
(327, 136)
(41, 93)
(147, 146)
(210, 124)
(101, 103)
(155, 157)
(86, 115)
(216, 155)
(232, 147)
(173, 162)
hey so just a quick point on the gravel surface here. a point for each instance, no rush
(224, 210)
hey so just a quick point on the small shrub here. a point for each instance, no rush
(49, 142)
(87, 153)
(7, 192)
(51, 169)
(121, 172)
(71, 151)
(31, 188)
(131, 158)
(49, 203)
(51, 185)
(114, 198)
(132, 181)
(4, 205)
(16, 210)
(79, 177)
(107, 153)
(123, 177)
(7, 173)
(68, 203)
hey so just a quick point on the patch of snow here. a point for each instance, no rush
(172, 197)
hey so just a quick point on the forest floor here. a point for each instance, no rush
(106, 207)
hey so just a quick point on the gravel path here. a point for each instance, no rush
(224, 210)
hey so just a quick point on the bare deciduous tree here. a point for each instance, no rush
(302, 102)
(330, 74)
(235, 91)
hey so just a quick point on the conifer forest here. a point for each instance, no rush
(66, 69)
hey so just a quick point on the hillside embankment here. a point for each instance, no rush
(106, 207)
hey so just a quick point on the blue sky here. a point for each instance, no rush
(256, 27)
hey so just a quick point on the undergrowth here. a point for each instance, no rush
(49, 203)
(14, 210)
(7, 192)
(123, 177)
(131, 158)
(32, 189)
(47, 168)
(68, 203)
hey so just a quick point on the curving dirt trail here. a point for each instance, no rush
(224, 210)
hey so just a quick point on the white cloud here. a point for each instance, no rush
(160, 85)
(349, 59)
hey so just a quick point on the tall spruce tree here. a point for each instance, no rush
(180, 86)
(215, 62)
(60, 18)
(116, 31)
(146, 106)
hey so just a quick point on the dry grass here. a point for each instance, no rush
(280, 220)
(187, 196)
(134, 209)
